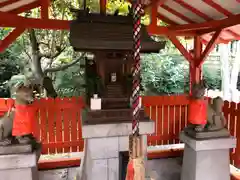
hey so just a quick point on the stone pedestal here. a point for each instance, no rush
(206, 159)
(104, 144)
(20, 163)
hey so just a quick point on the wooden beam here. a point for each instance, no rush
(209, 47)
(214, 24)
(174, 12)
(11, 20)
(44, 9)
(25, 8)
(154, 14)
(8, 2)
(163, 30)
(166, 20)
(202, 15)
(181, 48)
(156, 2)
(205, 16)
(59, 163)
(218, 7)
(103, 5)
(10, 38)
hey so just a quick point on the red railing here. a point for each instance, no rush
(59, 126)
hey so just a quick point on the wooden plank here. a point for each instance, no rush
(177, 122)
(159, 131)
(165, 123)
(171, 124)
(154, 117)
(43, 125)
(66, 123)
(36, 128)
(237, 149)
(59, 163)
(51, 123)
(74, 120)
(59, 129)
(79, 125)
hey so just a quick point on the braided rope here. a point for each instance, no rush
(135, 99)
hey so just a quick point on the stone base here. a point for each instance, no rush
(15, 149)
(19, 166)
(102, 158)
(207, 135)
(104, 143)
(206, 159)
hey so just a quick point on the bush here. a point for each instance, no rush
(166, 74)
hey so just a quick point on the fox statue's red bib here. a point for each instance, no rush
(24, 119)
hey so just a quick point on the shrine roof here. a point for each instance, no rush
(18, 6)
(185, 17)
(186, 12)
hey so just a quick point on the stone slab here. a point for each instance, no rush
(209, 144)
(207, 135)
(206, 164)
(15, 149)
(15, 161)
(113, 169)
(103, 148)
(19, 174)
(99, 170)
(116, 129)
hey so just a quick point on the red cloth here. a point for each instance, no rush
(130, 171)
(23, 120)
(197, 112)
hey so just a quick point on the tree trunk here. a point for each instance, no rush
(36, 67)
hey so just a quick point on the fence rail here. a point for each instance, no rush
(59, 126)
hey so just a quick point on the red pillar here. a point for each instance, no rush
(195, 69)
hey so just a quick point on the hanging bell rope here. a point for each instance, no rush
(135, 169)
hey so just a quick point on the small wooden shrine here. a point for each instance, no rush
(108, 74)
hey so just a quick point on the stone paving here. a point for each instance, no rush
(159, 169)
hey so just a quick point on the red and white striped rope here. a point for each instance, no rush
(135, 99)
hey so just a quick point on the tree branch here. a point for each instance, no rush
(49, 56)
(61, 68)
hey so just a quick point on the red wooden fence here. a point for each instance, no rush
(59, 125)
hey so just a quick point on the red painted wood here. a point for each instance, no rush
(181, 48)
(103, 6)
(26, 7)
(176, 13)
(74, 119)
(66, 125)
(10, 38)
(159, 128)
(43, 125)
(237, 150)
(211, 44)
(204, 16)
(177, 124)
(58, 163)
(156, 119)
(12, 20)
(8, 2)
(218, 7)
(59, 129)
(51, 124)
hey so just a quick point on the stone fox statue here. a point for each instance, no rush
(215, 118)
(9, 131)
